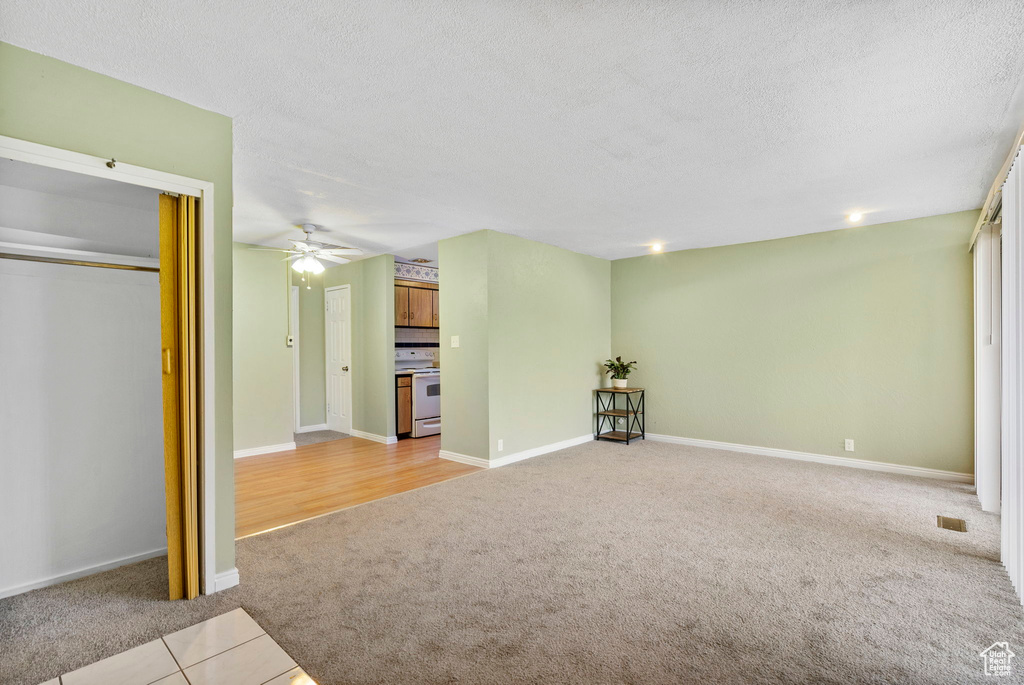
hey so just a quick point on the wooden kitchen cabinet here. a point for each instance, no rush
(404, 396)
(401, 305)
(421, 307)
(416, 305)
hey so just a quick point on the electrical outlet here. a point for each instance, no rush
(501, 445)
(849, 444)
(455, 341)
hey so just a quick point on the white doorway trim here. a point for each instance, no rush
(56, 158)
(327, 358)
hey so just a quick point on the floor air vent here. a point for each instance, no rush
(949, 523)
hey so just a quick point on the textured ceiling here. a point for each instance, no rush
(599, 127)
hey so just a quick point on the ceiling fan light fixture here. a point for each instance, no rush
(308, 264)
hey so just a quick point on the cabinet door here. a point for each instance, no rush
(420, 307)
(434, 295)
(401, 305)
(404, 409)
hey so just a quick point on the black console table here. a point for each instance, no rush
(608, 411)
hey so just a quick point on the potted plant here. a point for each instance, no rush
(619, 371)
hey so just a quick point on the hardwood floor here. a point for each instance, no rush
(272, 490)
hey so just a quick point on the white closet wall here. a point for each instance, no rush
(80, 420)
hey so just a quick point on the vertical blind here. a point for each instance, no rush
(1012, 415)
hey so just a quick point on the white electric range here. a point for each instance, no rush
(426, 389)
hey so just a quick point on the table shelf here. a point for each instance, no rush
(608, 414)
(620, 436)
(618, 412)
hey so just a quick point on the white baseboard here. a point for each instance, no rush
(387, 440)
(81, 573)
(517, 456)
(225, 580)
(819, 458)
(464, 459)
(266, 449)
(310, 429)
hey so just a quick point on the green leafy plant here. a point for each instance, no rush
(618, 368)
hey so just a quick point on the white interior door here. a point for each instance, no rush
(338, 347)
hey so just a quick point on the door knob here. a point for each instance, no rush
(344, 368)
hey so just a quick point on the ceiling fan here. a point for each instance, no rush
(306, 254)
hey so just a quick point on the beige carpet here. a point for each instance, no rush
(603, 563)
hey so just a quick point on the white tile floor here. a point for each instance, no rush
(230, 649)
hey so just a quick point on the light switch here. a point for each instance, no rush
(455, 341)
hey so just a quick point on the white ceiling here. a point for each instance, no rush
(599, 127)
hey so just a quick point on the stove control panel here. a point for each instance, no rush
(415, 355)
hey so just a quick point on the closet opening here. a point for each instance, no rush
(103, 392)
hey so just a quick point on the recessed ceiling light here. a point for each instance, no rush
(656, 247)
(854, 217)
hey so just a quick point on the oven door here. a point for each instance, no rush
(426, 396)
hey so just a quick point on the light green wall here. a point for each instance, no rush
(53, 103)
(372, 284)
(534, 324)
(264, 395)
(465, 414)
(799, 343)
(312, 388)
(378, 334)
(262, 359)
(550, 328)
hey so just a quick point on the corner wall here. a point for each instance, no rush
(462, 300)
(549, 330)
(799, 343)
(54, 103)
(533, 322)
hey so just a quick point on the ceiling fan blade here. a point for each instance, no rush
(305, 246)
(272, 249)
(332, 258)
(342, 251)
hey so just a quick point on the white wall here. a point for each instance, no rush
(81, 434)
(44, 206)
